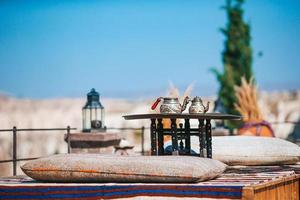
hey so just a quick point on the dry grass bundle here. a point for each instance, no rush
(173, 91)
(247, 105)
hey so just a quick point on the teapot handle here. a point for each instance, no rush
(156, 103)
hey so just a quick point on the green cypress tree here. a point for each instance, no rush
(237, 55)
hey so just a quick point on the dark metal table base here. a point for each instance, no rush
(181, 133)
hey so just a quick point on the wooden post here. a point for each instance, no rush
(201, 138)
(143, 139)
(69, 139)
(160, 135)
(14, 151)
(208, 138)
(153, 137)
(187, 131)
(174, 137)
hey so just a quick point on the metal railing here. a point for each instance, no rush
(15, 132)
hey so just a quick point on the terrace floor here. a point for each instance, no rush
(266, 182)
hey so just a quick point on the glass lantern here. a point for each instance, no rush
(93, 113)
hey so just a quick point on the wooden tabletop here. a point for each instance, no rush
(93, 137)
(184, 116)
(92, 140)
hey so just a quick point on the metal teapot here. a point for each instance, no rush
(197, 106)
(170, 105)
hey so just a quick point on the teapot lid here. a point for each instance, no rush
(197, 99)
(170, 98)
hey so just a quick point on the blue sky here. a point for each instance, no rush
(134, 48)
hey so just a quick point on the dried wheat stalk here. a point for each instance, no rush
(247, 105)
(173, 91)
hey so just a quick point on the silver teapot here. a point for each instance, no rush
(197, 106)
(170, 105)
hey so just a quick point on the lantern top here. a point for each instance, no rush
(93, 100)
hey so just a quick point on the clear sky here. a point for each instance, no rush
(133, 48)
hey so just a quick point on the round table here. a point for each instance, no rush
(183, 132)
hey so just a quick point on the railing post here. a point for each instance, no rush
(14, 151)
(69, 139)
(142, 139)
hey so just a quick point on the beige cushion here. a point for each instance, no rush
(99, 168)
(252, 150)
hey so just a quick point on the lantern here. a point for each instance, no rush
(93, 113)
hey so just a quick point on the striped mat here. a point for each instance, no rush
(229, 185)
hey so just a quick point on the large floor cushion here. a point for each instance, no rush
(105, 168)
(248, 150)
(251, 150)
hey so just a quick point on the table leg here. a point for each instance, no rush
(153, 137)
(160, 135)
(174, 137)
(188, 135)
(201, 138)
(208, 138)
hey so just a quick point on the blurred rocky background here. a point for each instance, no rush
(281, 109)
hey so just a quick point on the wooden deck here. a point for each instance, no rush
(272, 182)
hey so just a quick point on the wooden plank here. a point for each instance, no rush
(276, 181)
(184, 116)
(248, 193)
(283, 188)
(92, 140)
(105, 136)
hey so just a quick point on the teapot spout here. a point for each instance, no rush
(185, 103)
